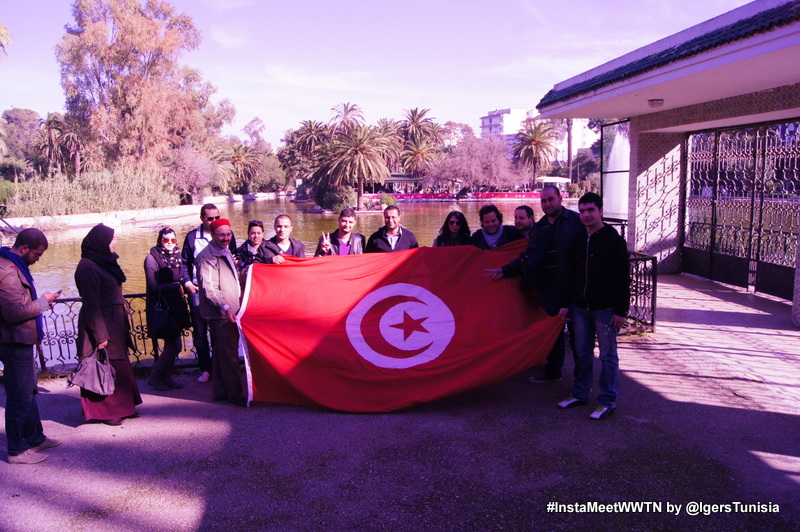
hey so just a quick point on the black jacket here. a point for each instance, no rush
(510, 234)
(531, 264)
(378, 243)
(599, 271)
(298, 249)
(357, 244)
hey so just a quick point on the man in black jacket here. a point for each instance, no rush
(392, 236)
(544, 266)
(599, 276)
(195, 242)
(343, 241)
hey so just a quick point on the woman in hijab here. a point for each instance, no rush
(103, 324)
(164, 271)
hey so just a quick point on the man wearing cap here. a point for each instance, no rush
(219, 304)
(20, 331)
(195, 242)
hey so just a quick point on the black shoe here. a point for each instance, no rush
(543, 380)
(239, 401)
(173, 384)
(159, 385)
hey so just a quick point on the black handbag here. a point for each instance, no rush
(160, 322)
(94, 373)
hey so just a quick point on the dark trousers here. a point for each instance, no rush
(199, 333)
(549, 301)
(23, 425)
(226, 379)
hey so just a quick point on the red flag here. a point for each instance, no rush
(379, 332)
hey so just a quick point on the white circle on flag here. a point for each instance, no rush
(399, 326)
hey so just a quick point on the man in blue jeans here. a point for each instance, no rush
(20, 331)
(600, 288)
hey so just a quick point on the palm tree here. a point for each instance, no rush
(419, 155)
(311, 135)
(243, 165)
(535, 145)
(354, 155)
(346, 115)
(51, 130)
(390, 130)
(71, 146)
(418, 126)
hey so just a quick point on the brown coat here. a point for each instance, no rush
(18, 311)
(103, 314)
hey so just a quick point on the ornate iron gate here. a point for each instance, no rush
(743, 206)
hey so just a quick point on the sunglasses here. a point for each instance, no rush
(212, 218)
(454, 222)
(169, 240)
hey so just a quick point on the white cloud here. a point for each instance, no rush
(230, 39)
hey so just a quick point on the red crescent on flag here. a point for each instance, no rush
(375, 340)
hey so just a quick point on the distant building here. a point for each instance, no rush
(507, 123)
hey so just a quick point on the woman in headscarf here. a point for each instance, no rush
(164, 271)
(103, 324)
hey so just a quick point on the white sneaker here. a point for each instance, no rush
(204, 377)
(27, 457)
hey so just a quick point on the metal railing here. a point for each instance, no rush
(59, 348)
(644, 279)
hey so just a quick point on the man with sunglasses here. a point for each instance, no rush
(196, 241)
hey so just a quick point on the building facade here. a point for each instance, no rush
(712, 127)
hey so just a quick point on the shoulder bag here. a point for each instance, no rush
(94, 373)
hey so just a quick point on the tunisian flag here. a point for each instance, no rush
(380, 332)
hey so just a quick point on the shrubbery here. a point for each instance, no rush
(335, 198)
(96, 191)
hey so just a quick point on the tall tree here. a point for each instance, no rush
(52, 131)
(354, 155)
(535, 145)
(419, 155)
(416, 125)
(346, 115)
(311, 135)
(119, 70)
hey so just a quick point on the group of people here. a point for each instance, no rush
(576, 264)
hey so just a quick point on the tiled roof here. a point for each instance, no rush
(760, 23)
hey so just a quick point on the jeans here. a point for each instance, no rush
(23, 425)
(549, 301)
(588, 324)
(199, 333)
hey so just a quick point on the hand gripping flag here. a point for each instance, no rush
(380, 332)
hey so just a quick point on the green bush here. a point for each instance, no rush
(335, 198)
(388, 199)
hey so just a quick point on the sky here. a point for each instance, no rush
(293, 60)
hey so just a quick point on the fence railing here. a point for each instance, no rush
(61, 322)
(59, 348)
(644, 279)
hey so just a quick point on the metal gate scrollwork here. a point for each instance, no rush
(743, 206)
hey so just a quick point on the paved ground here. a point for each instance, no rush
(708, 414)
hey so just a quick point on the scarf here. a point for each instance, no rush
(17, 261)
(95, 248)
(172, 259)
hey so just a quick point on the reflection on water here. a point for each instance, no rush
(56, 268)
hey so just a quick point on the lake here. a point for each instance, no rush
(56, 268)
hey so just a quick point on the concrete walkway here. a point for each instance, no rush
(708, 414)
